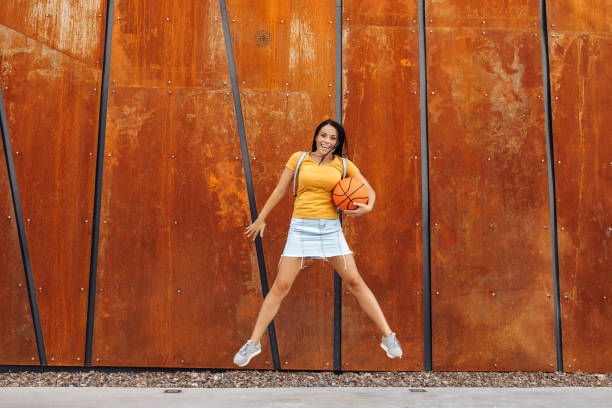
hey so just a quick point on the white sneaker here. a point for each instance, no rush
(391, 346)
(246, 353)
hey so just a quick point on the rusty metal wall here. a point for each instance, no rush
(50, 74)
(580, 36)
(381, 117)
(175, 272)
(492, 308)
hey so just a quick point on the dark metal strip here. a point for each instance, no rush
(425, 191)
(551, 183)
(337, 278)
(23, 242)
(91, 302)
(247, 174)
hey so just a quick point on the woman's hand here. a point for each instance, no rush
(363, 209)
(258, 226)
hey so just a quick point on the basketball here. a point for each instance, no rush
(349, 191)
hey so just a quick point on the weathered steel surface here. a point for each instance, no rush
(74, 28)
(287, 87)
(581, 106)
(492, 305)
(593, 16)
(381, 112)
(52, 107)
(505, 14)
(175, 270)
(17, 338)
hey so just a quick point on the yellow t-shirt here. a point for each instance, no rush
(315, 184)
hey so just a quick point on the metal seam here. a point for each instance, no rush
(337, 279)
(91, 300)
(23, 242)
(551, 183)
(247, 174)
(427, 320)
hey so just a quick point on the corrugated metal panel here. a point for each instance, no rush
(492, 304)
(381, 104)
(581, 105)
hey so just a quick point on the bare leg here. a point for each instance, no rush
(288, 269)
(350, 276)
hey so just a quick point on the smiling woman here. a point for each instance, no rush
(315, 231)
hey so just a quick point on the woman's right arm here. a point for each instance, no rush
(279, 192)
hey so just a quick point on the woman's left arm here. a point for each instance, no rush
(363, 208)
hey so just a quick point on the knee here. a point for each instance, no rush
(356, 285)
(280, 289)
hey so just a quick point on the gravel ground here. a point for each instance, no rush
(95, 377)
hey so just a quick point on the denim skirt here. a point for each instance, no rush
(315, 238)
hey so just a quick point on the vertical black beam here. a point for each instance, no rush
(425, 190)
(337, 278)
(247, 174)
(551, 183)
(23, 243)
(91, 302)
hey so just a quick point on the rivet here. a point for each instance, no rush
(548, 295)
(267, 362)
(412, 30)
(175, 222)
(552, 25)
(118, 18)
(178, 291)
(78, 358)
(236, 158)
(435, 157)
(6, 87)
(565, 297)
(435, 224)
(348, 225)
(224, 82)
(105, 221)
(486, 94)
(91, 153)
(329, 84)
(416, 157)
(556, 98)
(562, 228)
(40, 289)
(182, 361)
(493, 294)
(484, 22)
(254, 158)
(167, 18)
(494, 364)
(52, 358)
(169, 92)
(431, 31)
(20, 284)
(331, 22)
(94, 89)
(546, 227)
(414, 21)
(491, 225)
(99, 14)
(169, 82)
(47, 14)
(346, 363)
(488, 158)
(82, 289)
(483, 33)
(348, 19)
(243, 82)
(569, 366)
(244, 93)
(282, 21)
(172, 156)
(535, 35)
(286, 362)
(542, 160)
(233, 20)
(437, 293)
(609, 228)
(551, 364)
(430, 20)
(85, 221)
(414, 92)
(16, 152)
(32, 358)
(326, 293)
(558, 161)
(101, 289)
(539, 96)
(535, 23)
(346, 292)
(604, 297)
(433, 92)
(113, 91)
(109, 155)
(329, 95)
(9, 217)
(552, 35)
(418, 292)
(286, 83)
(97, 359)
(417, 224)
(287, 94)
(347, 91)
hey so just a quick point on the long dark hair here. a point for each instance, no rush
(341, 137)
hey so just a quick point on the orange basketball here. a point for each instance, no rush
(349, 191)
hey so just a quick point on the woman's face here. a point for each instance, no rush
(327, 139)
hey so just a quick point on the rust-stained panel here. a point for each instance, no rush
(73, 28)
(175, 269)
(287, 87)
(52, 107)
(483, 14)
(491, 270)
(593, 16)
(17, 338)
(581, 106)
(381, 117)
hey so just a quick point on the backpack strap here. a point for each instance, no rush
(297, 168)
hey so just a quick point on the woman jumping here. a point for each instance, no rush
(315, 232)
